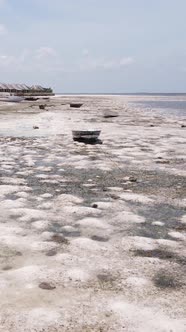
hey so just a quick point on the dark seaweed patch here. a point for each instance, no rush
(180, 228)
(59, 239)
(51, 253)
(161, 254)
(157, 253)
(46, 286)
(71, 234)
(165, 213)
(104, 278)
(163, 280)
(7, 268)
(99, 238)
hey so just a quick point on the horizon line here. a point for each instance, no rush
(121, 93)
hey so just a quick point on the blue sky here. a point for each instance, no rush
(94, 45)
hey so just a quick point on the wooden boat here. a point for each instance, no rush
(86, 135)
(108, 115)
(31, 98)
(11, 98)
(76, 105)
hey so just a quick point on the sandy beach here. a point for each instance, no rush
(92, 237)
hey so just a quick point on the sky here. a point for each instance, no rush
(98, 46)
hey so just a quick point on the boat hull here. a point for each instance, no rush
(88, 135)
(12, 99)
(76, 105)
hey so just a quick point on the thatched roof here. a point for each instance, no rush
(20, 87)
(14, 86)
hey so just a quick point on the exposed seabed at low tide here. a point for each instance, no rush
(92, 237)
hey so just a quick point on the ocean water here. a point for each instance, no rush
(165, 107)
(168, 104)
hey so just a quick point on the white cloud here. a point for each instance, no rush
(45, 52)
(113, 64)
(26, 54)
(3, 29)
(6, 60)
(39, 60)
(85, 52)
(46, 59)
(126, 61)
(105, 64)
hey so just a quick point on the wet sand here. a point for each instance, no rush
(92, 237)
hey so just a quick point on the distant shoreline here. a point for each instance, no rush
(122, 93)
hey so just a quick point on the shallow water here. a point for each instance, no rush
(165, 107)
(19, 120)
(22, 123)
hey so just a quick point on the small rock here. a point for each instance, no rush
(132, 179)
(94, 206)
(7, 268)
(113, 196)
(59, 239)
(42, 107)
(99, 238)
(46, 286)
(162, 161)
(35, 127)
(183, 126)
(105, 278)
(151, 125)
(51, 253)
(158, 223)
(108, 314)
(110, 115)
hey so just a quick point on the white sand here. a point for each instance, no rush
(102, 226)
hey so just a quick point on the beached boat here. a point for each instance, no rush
(11, 98)
(88, 135)
(76, 105)
(31, 98)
